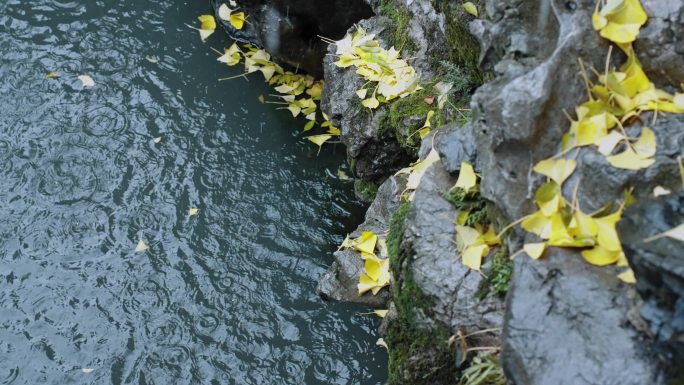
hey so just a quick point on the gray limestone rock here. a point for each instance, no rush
(659, 268)
(455, 144)
(566, 324)
(339, 283)
(375, 153)
(435, 265)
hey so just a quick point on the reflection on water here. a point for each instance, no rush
(224, 297)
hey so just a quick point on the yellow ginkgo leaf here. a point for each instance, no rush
(600, 257)
(557, 170)
(361, 93)
(676, 233)
(319, 139)
(467, 236)
(231, 55)
(472, 256)
(548, 198)
(193, 211)
(678, 101)
(294, 109)
(141, 246)
(627, 276)
(537, 224)
(467, 178)
(470, 8)
(373, 268)
(535, 250)
(371, 102)
(380, 313)
(224, 12)
(207, 26)
(418, 170)
(607, 144)
(607, 235)
(365, 284)
(207, 22)
(381, 342)
(366, 242)
(645, 146)
(629, 160)
(620, 33)
(462, 217)
(237, 20)
(52, 75)
(490, 237)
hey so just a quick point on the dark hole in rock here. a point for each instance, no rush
(291, 30)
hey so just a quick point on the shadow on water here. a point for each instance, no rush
(224, 297)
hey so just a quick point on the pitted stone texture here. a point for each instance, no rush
(435, 263)
(659, 268)
(566, 325)
(456, 144)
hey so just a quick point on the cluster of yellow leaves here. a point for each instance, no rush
(473, 243)
(393, 77)
(208, 22)
(376, 275)
(562, 224)
(618, 99)
(415, 173)
(300, 94)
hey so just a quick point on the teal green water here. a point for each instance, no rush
(224, 297)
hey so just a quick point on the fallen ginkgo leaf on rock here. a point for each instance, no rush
(470, 8)
(627, 276)
(467, 179)
(381, 313)
(193, 211)
(207, 26)
(535, 250)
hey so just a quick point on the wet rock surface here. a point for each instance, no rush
(566, 324)
(339, 283)
(565, 321)
(435, 266)
(378, 153)
(659, 268)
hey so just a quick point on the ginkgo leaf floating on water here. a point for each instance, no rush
(141, 246)
(86, 81)
(207, 26)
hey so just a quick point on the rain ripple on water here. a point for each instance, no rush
(223, 297)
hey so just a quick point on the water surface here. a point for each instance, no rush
(224, 297)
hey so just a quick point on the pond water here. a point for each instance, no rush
(223, 297)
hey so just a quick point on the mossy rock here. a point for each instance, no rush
(419, 352)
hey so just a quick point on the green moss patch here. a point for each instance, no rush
(365, 190)
(418, 351)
